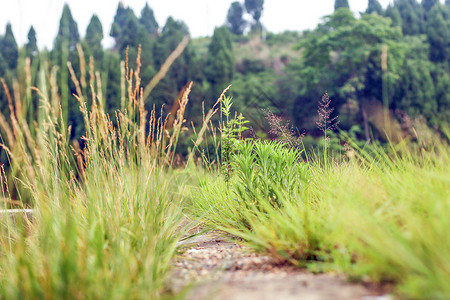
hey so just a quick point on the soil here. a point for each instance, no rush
(211, 266)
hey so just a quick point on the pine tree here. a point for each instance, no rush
(180, 72)
(3, 68)
(341, 4)
(148, 20)
(112, 83)
(67, 32)
(121, 19)
(412, 14)
(31, 46)
(64, 50)
(220, 61)
(94, 37)
(374, 6)
(393, 13)
(429, 4)
(235, 21)
(418, 89)
(9, 49)
(438, 34)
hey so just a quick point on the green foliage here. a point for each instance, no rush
(219, 68)
(231, 130)
(8, 48)
(442, 95)
(182, 71)
(148, 20)
(341, 4)
(256, 92)
(438, 33)
(64, 50)
(344, 54)
(121, 19)
(112, 83)
(374, 6)
(235, 21)
(418, 96)
(393, 13)
(255, 9)
(68, 35)
(94, 37)
(412, 15)
(429, 4)
(266, 170)
(31, 46)
(378, 215)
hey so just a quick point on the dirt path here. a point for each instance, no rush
(218, 270)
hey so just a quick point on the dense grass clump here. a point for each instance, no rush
(106, 218)
(381, 215)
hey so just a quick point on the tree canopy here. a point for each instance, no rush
(8, 48)
(341, 4)
(235, 18)
(148, 20)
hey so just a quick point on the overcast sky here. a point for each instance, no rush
(201, 16)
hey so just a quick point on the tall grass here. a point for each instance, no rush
(381, 215)
(106, 217)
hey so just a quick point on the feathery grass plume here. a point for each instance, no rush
(324, 111)
(283, 130)
(325, 122)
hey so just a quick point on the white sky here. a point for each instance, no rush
(201, 16)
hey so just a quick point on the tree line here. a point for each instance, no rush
(397, 57)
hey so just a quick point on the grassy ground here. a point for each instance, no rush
(379, 216)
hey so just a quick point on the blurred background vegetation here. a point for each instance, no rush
(396, 58)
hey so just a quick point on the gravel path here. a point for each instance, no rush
(218, 269)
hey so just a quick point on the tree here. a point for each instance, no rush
(418, 95)
(341, 4)
(94, 37)
(64, 50)
(255, 9)
(128, 31)
(9, 49)
(442, 95)
(148, 20)
(220, 61)
(429, 4)
(235, 21)
(121, 19)
(67, 32)
(31, 46)
(3, 68)
(438, 34)
(393, 13)
(374, 6)
(343, 56)
(112, 83)
(412, 15)
(181, 71)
